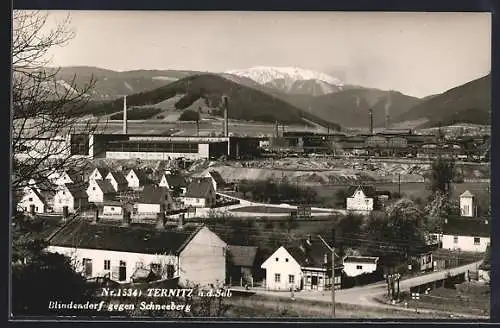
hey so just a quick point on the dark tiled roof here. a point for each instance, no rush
(103, 171)
(77, 190)
(242, 255)
(40, 195)
(198, 188)
(313, 254)
(142, 176)
(138, 239)
(361, 259)
(369, 191)
(176, 181)
(106, 186)
(119, 178)
(153, 195)
(473, 227)
(217, 177)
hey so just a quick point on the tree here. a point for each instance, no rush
(189, 115)
(43, 106)
(442, 173)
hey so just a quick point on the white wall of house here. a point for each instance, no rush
(279, 267)
(467, 206)
(112, 210)
(203, 260)
(64, 198)
(194, 202)
(465, 243)
(31, 198)
(143, 208)
(163, 182)
(95, 175)
(353, 269)
(132, 179)
(98, 257)
(359, 202)
(95, 193)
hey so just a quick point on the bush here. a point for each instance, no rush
(189, 115)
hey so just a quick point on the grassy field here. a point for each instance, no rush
(475, 301)
(258, 306)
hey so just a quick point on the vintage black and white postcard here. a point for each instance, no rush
(182, 164)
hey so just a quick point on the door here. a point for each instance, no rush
(314, 282)
(87, 263)
(122, 273)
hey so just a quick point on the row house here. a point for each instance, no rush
(124, 252)
(99, 191)
(34, 200)
(71, 196)
(117, 180)
(153, 200)
(175, 182)
(136, 179)
(98, 173)
(465, 234)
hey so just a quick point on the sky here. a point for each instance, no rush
(415, 53)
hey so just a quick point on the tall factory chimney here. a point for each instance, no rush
(370, 114)
(125, 115)
(387, 111)
(226, 108)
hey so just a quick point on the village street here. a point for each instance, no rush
(365, 295)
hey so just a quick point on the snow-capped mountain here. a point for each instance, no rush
(289, 78)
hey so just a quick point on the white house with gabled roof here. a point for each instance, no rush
(282, 271)
(467, 204)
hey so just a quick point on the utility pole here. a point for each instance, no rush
(399, 184)
(332, 249)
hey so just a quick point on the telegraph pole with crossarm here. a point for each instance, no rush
(332, 249)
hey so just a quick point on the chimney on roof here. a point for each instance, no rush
(125, 115)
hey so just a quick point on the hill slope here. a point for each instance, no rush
(350, 107)
(246, 103)
(468, 103)
(112, 84)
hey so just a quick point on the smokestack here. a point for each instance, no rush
(226, 105)
(370, 113)
(125, 115)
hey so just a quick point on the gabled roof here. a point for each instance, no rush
(361, 259)
(473, 227)
(105, 186)
(466, 194)
(141, 175)
(75, 175)
(217, 177)
(175, 180)
(242, 255)
(313, 254)
(118, 176)
(76, 190)
(39, 195)
(198, 188)
(135, 238)
(153, 195)
(102, 171)
(369, 191)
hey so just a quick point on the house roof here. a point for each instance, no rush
(141, 175)
(134, 238)
(176, 180)
(119, 177)
(198, 188)
(313, 254)
(217, 177)
(103, 171)
(105, 186)
(369, 191)
(361, 259)
(153, 195)
(76, 190)
(466, 194)
(467, 227)
(75, 175)
(111, 203)
(243, 255)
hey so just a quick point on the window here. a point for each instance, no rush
(139, 264)
(477, 240)
(277, 277)
(36, 208)
(93, 188)
(112, 208)
(170, 271)
(286, 260)
(359, 267)
(197, 200)
(155, 266)
(277, 259)
(455, 239)
(64, 193)
(107, 264)
(291, 279)
(30, 199)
